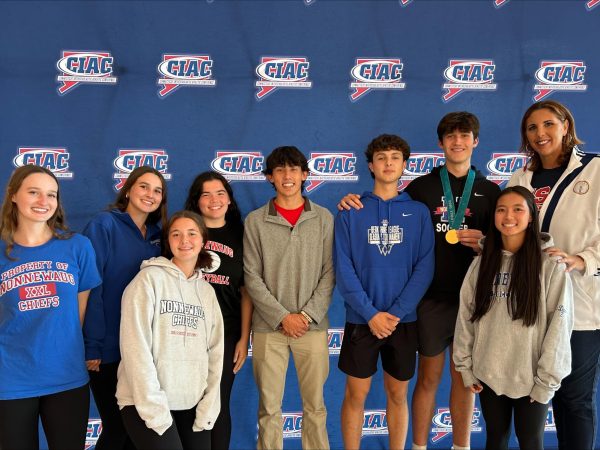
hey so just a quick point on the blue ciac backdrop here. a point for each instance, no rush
(94, 89)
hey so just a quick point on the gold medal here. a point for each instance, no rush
(452, 237)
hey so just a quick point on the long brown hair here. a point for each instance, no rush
(204, 259)
(570, 140)
(525, 288)
(10, 213)
(122, 201)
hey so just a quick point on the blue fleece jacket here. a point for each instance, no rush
(384, 258)
(120, 249)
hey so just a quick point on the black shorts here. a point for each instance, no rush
(361, 349)
(436, 320)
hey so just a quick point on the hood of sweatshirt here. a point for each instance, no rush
(384, 207)
(170, 267)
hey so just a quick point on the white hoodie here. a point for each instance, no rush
(171, 346)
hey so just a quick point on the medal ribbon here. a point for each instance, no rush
(455, 217)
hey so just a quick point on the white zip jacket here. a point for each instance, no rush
(575, 227)
(171, 346)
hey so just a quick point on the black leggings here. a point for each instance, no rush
(179, 436)
(64, 418)
(104, 387)
(221, 432)
(530, 419)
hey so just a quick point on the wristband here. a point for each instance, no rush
(307, 317)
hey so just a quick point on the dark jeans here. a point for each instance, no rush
(179, 436)
(575, 402)
(64, 417)
(104, 386)
(530, 418)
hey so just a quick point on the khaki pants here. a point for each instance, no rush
(270, 356)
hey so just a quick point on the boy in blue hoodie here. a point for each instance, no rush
(384, 262)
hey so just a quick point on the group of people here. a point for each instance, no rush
(155, 313)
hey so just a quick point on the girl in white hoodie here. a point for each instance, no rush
(511, 343)
(171, 345)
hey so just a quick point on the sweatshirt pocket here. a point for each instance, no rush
(184, 381)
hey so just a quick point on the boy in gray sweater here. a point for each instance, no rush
(288, 271)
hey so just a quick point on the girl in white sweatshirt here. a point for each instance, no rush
(171, 345)
(511, 342)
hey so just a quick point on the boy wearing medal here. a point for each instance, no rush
(457, 228)
(384, 264)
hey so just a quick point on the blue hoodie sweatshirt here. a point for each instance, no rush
(384, 257)
(120, 249)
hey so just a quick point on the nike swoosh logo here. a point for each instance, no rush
(406, 215)
(479, 195)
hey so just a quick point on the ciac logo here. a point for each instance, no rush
(335, 337)
(550, 424)
(375, 73)
(239, 166)
(94, 428)
(590, 4)
(292, 425)
(502, 166)
(500, 3)
(128, 160)
(78, 67)
(559, 76)
(54, 159)
(442, 423)
(374, 422)
(324, 167)
(419, 164)
(178, 70)
(468, 74)
(281, 72)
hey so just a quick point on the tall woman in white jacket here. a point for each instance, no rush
(566, 185)
(511, 343)
(171, 345)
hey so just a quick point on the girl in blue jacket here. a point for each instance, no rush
(123, 236)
